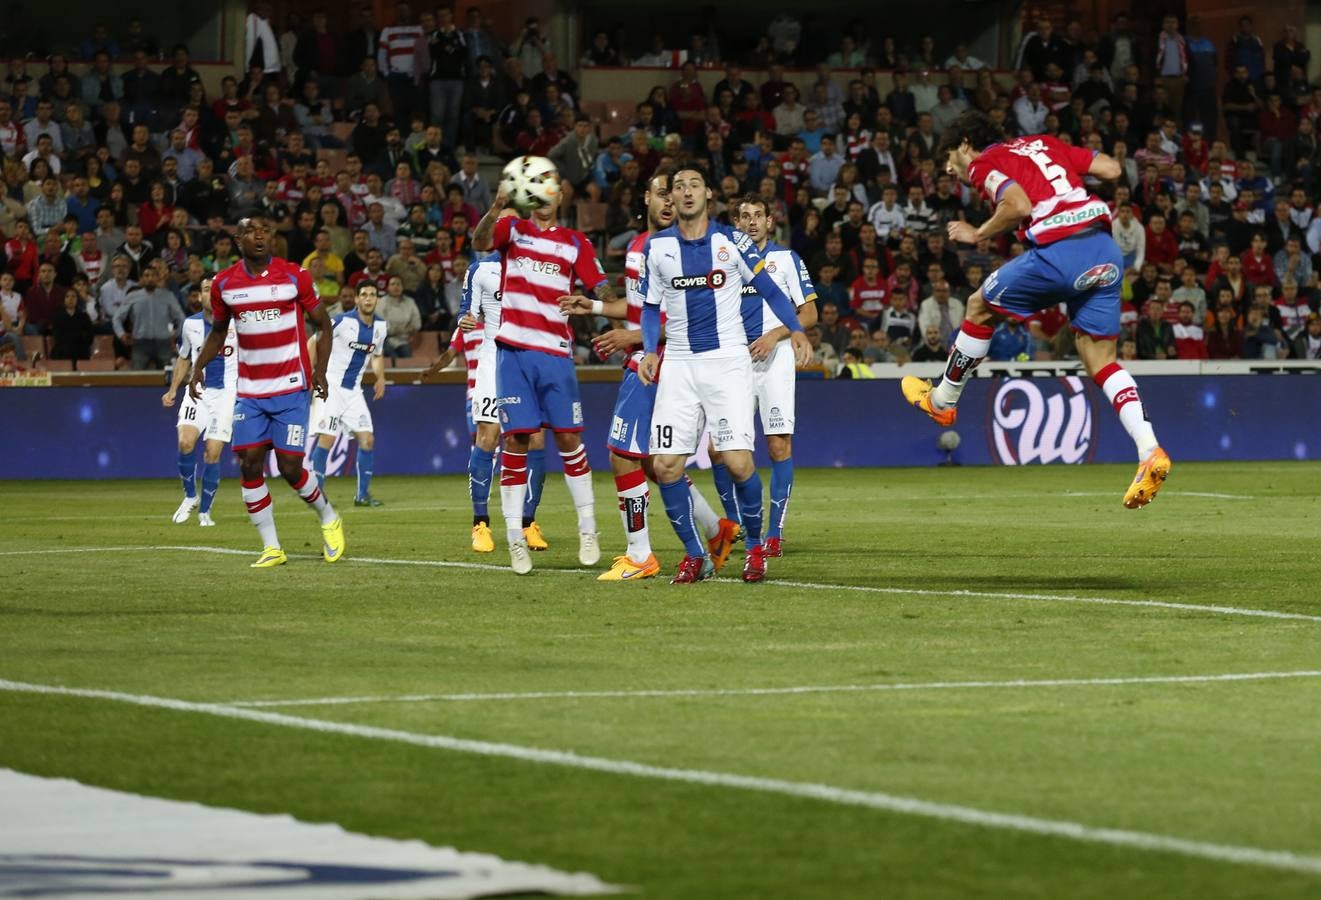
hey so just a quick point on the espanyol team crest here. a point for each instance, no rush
(722, 254)
(1102, 275)
(770, 267)
(1035, 420)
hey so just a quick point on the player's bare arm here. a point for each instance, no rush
(481, 236)
(211, 347)
(762, 347)
(580, 305)
(467, 322)
(1105, 167)
(177, 379)
(1013, 207)
(325, 337)
(442, 362)
(378, 370)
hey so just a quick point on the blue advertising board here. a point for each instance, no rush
(124, 432)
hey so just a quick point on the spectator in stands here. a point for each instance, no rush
(1029, 112)
(403, 319)
(407, 266)
(1291, 264)
(1258, 266)
(823, 168)
(156, 320)
(1241, 104)
(1260, 339)
(1155, 336)
(941, 312)
(1011, 341)
(71, 330)
(1308, 343)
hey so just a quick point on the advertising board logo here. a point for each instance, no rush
(1035, 420)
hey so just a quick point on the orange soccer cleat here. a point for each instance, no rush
(721, 545)
(1152, 473)
(917, 391)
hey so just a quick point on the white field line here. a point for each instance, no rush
(781, 691)
(894, 803)
(805, 585)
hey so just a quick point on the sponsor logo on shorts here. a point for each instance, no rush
(577, 413)
(239, 417)
(991, 287)
(619, 430)
(1102, 275)
(715, 279)
(294, 435)
(776, 418)
(1036, 420)
(508, 401)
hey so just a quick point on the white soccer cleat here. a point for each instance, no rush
(520, 558)
(589, 548)
(205, 520)
(185, 510)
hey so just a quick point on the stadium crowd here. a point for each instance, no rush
(365, 146)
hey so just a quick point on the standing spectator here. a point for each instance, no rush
(442, 64)
(43, 300)
(688, 100)
(363, 41)
(1277, 127)
(483, 97)
(71, 330)
(1172, 61)
(101, 84)
(260, 48)
(1203, 72)
(823, 168)
(176, 83)
(1029, 112)
(1247, 50)
(1225, 341)
(1288, 55)
(1130, 236)
(1242, 105)
(402, 317)
(47, 210)
(317, 53)
(900, 100)
(1044, 47)
(157, 319)
(397, 61)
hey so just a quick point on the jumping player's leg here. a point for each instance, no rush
(970, 348)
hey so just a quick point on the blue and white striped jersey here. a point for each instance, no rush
(790, 272)
(481, 291)
(698, 284)
(222, 372)
(354, 341)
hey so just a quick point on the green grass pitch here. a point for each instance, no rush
(1232, 763)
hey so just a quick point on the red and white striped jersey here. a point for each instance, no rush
(267, 309)
(398, 53)
(633, 290)
(1050, 173)
(1293, 313)
(540, 267)
(468, 344)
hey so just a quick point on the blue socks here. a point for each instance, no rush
(481, 464)
(319, 457)
(782, 485)
(749, 504)
(725, 488)
(679, 507)
(365, 460)
(188, 472)
(210, 484)
(536, 477)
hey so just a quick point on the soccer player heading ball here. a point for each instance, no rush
(1072, 258)
(266, 298)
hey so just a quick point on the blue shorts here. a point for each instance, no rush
(1082, 271)
(279, 421)
(630, 429)
(536, 390)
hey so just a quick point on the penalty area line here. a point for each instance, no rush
(957, 593)
(785, 691)
(1283, 860)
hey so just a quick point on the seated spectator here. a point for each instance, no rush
(1010, 342)
(1308, 343)
(933, 347)
(898, 321)
(1189, 337)
(852, 365)
(1260, 339)
(407, 266)
(940, 311)
(1155, 337)
(1291, 264)
(870, 293)
(402, 317)
(1161, 246)
(1258, 267)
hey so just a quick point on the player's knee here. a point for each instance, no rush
(366, 440)
(187, 444)
(780, 447)
(622, 465)
(211, 455)
(517, 443)
(740, 464)
(291, 467)
(537, 440)
(568, 441)
(668, 469)
(488, 438)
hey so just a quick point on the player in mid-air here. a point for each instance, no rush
(266, 298)
(1072, 258)
(537, 383)
(694, 272)
(213, 415)
(773, 359)
(359, 339)
(630, 428)
(479, 317)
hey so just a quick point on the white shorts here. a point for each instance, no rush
(485, 391)
(213, 414)
(775, 381)
(343, 409)
(693, 393)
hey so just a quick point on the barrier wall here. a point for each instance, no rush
(124, 432)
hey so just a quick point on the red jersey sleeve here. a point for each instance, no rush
(219, 311)
(587, 267)
(990, 178)
(308, 298)
(456, 342)
(502, 233)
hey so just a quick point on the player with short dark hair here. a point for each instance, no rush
(266, 298)
(1072, 258)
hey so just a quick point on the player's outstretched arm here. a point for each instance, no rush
(481, 236)
(582, 305)
(1013, 207)
(1105, 167)
(325, 337)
